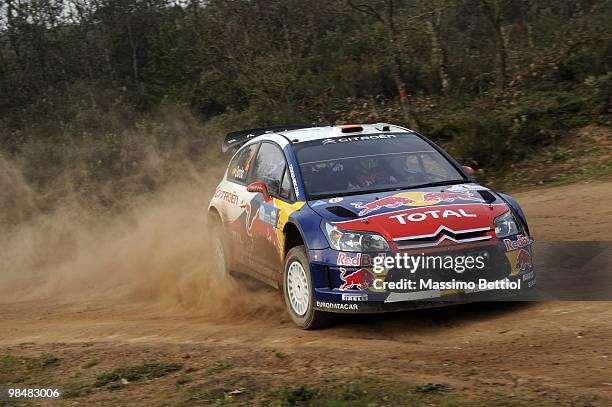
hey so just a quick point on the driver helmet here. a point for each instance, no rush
(369, 164)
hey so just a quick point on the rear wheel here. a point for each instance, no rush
(219, 246)
(298, 291)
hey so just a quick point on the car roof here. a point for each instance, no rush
(305, 134)
(350, 130)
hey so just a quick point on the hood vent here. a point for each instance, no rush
(342, 212)
(487, 196)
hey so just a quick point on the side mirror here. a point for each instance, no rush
(260, 187)
(469, 170)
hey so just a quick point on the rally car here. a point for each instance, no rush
(308, 210)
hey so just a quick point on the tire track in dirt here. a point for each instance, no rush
(560, 345)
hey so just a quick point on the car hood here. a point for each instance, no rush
(458, 211)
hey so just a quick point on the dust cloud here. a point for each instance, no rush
(152, 256)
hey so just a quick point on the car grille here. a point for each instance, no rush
(443, 236)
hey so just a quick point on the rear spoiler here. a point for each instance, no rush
(238, 138)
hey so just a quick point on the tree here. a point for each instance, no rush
(386, 15)
(433, 10)
(493, 10)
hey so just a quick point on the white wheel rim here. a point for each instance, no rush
(297, 288)
(219, 254)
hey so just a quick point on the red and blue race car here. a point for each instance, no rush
(326, 214)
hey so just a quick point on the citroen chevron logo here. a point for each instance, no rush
(446, 235)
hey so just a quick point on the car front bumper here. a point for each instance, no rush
(507, 282)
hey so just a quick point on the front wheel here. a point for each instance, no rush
(298, 289)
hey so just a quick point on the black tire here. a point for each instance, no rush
(310, 318)
(220, 249)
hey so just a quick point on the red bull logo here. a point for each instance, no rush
(360, 279)
(413, 199)
(523, 260)
(345, 259)
(520, 242)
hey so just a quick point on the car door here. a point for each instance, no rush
(268, 167)
(236, 205)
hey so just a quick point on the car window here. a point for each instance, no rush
(436, 166)
(371, 163)
(286, 190)
(239, 166)
(268, 167)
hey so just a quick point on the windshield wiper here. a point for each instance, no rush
(438, 184)
(389, 189)
(349, 193)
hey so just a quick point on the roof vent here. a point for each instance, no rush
(382, 127)
(351, 128)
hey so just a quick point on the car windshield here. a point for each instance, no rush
(371, 163)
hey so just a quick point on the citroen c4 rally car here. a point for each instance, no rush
(309, 209)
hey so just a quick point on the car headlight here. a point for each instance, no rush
(348, 241)
(507, 225)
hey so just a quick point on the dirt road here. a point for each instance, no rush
(499, 354)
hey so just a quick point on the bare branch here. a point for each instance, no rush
(366, 9)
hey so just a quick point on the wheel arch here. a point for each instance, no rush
(293, 237)
(213, 214)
